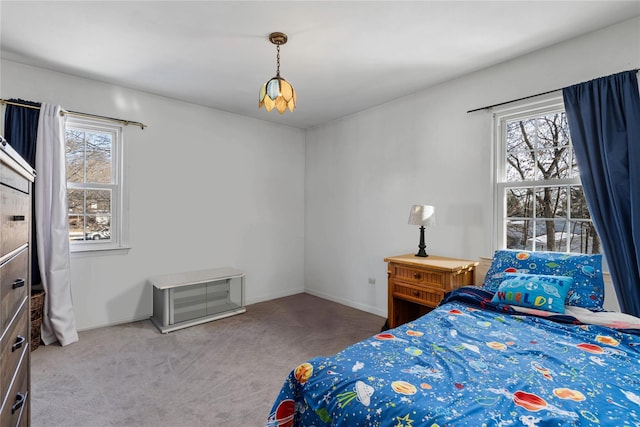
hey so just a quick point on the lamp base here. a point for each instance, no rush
(422, 246)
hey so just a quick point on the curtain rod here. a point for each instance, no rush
(526, 97)
(513, 100)
(77, 114)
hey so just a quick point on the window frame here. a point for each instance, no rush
(542, 105)
(119, 203)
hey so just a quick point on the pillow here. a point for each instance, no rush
(534, 291)
(587, 290)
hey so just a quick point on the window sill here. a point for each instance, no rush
(83, 251)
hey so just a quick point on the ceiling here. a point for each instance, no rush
(342, 56)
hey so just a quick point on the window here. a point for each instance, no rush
(94, 184)
(540, 204)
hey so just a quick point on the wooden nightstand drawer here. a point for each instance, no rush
(418, 276)
(422, 295)
(435, 279)
(407, 274)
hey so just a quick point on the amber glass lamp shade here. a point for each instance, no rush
(277, 93)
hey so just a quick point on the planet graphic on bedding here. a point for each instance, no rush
(303, 372)
(590, 348)
(496, 345)
(388, 337)
(588, 270)
(532, 402)
(529, 401)
(567, 393)
(605, 339)
(456, 312)
(403, 387)
(283, 415)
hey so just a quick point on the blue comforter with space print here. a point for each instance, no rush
(471, 362)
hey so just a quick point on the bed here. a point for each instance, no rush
(493, 355)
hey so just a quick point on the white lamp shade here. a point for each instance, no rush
(422, 215)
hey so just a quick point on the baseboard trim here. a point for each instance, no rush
(348, 303)
(275, 295)
(115, 323)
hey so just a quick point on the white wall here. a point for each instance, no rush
(365, 171)
(207, 189)
(210, 189)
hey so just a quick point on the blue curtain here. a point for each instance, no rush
(604, 121)
(21, 130)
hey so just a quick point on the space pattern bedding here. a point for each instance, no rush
(474, 362)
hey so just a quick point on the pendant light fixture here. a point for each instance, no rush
(277, 92)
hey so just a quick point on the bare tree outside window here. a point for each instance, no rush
(545, 207)
(89, 174)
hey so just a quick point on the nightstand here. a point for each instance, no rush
(417, 284)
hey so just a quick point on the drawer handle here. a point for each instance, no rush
(415, 293)
(18, 217)
(18, 283)
(416, 275)
(19, 402)
(19, 341)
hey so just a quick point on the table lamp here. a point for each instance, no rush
(424, 216)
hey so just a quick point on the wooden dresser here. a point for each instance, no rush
(418, 284)
(16, 179)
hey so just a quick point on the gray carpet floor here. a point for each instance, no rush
(222, 373)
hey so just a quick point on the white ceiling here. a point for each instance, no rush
(342, 56)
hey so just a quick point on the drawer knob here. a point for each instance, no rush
(18, 217)
(18, 283)
(415, 293)
(416, 275)
(19, 402)
(19, 341)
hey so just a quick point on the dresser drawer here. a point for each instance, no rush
(15, 411)
(13, 345)
(422, 295)
(11, 178)
(13, 286)
(15, 219)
